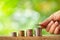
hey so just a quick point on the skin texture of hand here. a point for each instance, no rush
(52, 23)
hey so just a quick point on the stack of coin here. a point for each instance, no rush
(29, 32)
(14, 34)
(21, 33)
(38, 31)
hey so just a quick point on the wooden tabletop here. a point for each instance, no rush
(31, 38)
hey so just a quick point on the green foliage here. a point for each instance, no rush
(44, 8)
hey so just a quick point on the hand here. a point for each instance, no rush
(52, 23)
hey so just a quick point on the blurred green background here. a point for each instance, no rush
(18, 15)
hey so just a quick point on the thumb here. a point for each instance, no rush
(45, 22)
